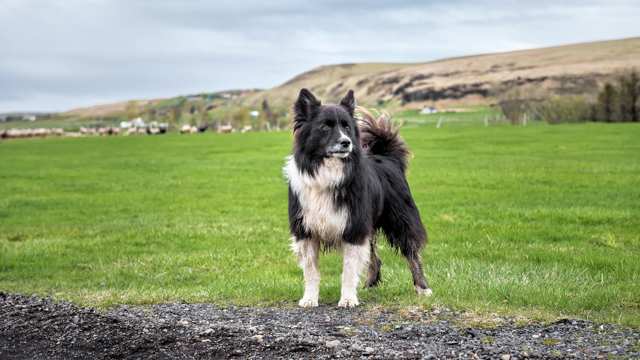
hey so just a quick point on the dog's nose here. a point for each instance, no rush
(345, 143)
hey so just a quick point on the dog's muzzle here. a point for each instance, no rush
(342, 149)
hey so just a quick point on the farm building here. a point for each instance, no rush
(428, 110)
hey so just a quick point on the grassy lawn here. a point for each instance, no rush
(541, 220)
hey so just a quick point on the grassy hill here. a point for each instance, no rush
(121, 108)
(469, 80)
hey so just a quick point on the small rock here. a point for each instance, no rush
(207, 332)
(258, 338)
(505, 357)
(183, 322)
(332, 343)
(473, 332)
(369, 350)
(205, 340)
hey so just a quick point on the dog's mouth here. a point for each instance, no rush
(339, 153)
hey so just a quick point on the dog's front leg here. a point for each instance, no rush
(307, 252)
(354, 260)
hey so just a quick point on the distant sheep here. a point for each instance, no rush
(188, 129)
(223, 129)
(88, 131)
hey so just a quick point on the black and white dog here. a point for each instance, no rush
(346, 182)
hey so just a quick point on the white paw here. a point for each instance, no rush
(308, 302)
(424, 292)
(348, 302)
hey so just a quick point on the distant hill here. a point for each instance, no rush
(478, 79)
(468, 80)
(116, 109)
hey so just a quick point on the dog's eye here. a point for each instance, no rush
(345, 125)
(328, 124)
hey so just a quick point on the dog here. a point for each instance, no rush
(346, 183)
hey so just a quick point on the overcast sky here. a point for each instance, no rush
(57, 55)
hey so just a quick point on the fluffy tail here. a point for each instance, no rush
(378, 136)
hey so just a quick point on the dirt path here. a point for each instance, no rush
(32, 327)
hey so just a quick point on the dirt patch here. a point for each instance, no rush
(32, 327)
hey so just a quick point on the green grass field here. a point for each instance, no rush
(540, 221)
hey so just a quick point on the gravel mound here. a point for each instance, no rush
(33, 327)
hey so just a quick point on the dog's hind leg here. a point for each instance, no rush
(406, 233)
(419, 281)
(307, 251)
(373, 278)
(355, 258)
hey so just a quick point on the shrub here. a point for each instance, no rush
(516, 105)
(618, 101)
(560, 109)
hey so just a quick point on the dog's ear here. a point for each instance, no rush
(305, 107)
(349, 102)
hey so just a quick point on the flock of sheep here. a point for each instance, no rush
(155, 129)
(147, 130)
(30, 133)
(223, 129)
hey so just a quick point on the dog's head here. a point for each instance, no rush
(325, 130)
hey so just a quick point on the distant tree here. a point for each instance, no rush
(628, 94)
(267, 117)
(175, 114)
(241, 117)
(606, 102)
(205, 116)
(185, 111)
(281, 119)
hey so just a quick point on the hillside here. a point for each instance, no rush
(569, 69)
(214, 99)
(106, 110)
(469, 80)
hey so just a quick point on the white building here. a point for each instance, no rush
(428, 110)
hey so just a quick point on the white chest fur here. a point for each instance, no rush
(315, 193)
